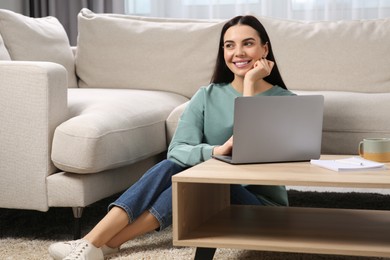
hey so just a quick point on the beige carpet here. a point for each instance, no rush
(27, 234)
(152, 246)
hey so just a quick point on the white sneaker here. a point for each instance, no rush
(84, 250)
(60, 250)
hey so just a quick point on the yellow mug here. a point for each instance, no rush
(375, 149)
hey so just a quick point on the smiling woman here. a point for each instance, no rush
(205, 128)
(244, 50)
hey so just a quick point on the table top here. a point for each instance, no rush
(289, 173)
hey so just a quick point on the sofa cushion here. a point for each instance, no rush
(350, 117)
(37, 39)
(109, 128)
(123, 51)
(173, 120)
(4, 55)
(332, 55)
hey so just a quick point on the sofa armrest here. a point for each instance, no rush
(33, 102)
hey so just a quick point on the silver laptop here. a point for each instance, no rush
(276, 129)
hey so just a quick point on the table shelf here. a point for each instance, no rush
(292, 229)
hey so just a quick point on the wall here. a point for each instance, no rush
(18, 6)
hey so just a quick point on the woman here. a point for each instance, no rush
(245, 67)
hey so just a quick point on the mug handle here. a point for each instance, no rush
(361, 149)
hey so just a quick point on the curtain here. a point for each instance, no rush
(66, 11)
(286, 9)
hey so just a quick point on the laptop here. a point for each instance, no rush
(276, 129)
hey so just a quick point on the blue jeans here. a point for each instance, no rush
(153, 193)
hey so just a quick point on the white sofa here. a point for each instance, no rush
(78, 124)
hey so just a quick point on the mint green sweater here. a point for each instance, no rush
(206, 122)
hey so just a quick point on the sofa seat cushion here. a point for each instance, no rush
(109, 128)
(349, 117)
(173, 120)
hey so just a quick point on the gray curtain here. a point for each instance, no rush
(66, 11)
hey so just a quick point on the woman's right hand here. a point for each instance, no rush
(261, 69)
(225, 149)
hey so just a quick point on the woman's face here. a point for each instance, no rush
(242, 48)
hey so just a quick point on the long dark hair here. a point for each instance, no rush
(222, 74)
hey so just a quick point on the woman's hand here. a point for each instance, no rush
(225, 149)
(261, 69)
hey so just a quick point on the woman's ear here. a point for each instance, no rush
(265, 46)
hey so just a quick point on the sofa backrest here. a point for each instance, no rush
(333, 55)
(122, 51)
(178, 55)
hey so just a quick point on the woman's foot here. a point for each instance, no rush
(60, 250)
(84, 250)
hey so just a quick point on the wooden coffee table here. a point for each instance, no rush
(204, 218)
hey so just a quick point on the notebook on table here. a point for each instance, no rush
(276, 129)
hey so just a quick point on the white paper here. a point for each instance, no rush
(349, 164)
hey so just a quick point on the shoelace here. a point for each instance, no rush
(77, 250)
(73, 244)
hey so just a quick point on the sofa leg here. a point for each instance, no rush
(77, 213)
